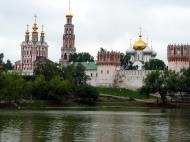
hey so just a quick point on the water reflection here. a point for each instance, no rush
(95, 126)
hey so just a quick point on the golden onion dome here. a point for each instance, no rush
(69, 13)
(35, 27)
(140, 44)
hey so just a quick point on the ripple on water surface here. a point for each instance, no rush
(95, 126)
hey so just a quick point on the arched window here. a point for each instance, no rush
(65, 56)
(107, 71)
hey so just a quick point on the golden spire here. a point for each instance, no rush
(42, 33)
(69, 13)
(35, 28)
(140, 32)
(27, 30)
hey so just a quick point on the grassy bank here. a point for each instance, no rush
(122, 92)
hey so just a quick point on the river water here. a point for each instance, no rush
(147, 125)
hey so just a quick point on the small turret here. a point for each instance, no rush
(42, 37)
(27, 34)
(35, 31)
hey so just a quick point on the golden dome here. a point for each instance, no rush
(35, 27)
(69, 13)
(139, 44)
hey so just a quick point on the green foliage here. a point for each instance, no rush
(185, 80)
(50, 83)
(11, 87)
(5, 66)
(1, 58)
(40, 88)
(125, 62)
(121, 92)
(79, 75)
(156, 82)
(155, 64)
(8, 65)
(46, 68)
(167, 83)
(75, 73)
(81, 57)
(60, 88)
(152, 81)
(86, 93)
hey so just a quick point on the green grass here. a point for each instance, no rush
(121, 92)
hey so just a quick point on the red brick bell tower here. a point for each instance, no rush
(68, 47)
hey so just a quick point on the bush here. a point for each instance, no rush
(145, 91)
(40, 88)
(60, 88)
(86, 94)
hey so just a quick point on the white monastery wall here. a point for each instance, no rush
(112, 76)
(132, 79)
(177, 66)
(106, 75)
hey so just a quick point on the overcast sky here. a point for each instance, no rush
(98, 23)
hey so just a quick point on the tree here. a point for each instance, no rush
(156, 82)
(46, 68)
(81, 57)
(8, 65)
(125, 61)
(86, 94)
(5, 66)
(40, 88)
(75, 73)
(27, 90)
(80, 75)
(68, 72)
(173, 83)
(1, 58)
(59, 88)
(155, 64)
(11, 87)
(186, 79)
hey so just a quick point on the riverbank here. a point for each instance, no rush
(109, 98)
(104, 103)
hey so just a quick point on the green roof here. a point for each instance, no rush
(87, 65)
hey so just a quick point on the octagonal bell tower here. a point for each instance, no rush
(68, 47)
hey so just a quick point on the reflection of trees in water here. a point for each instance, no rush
(130, 126)
(105, 127)
(55, 126)
(76, 127)
(29, 127)
(179, 125)
(156, 128)
(10, 125)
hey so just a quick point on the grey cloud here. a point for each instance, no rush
(104, 22)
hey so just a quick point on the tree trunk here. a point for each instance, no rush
(163, 98)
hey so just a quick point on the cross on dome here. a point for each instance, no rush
(69, 13)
